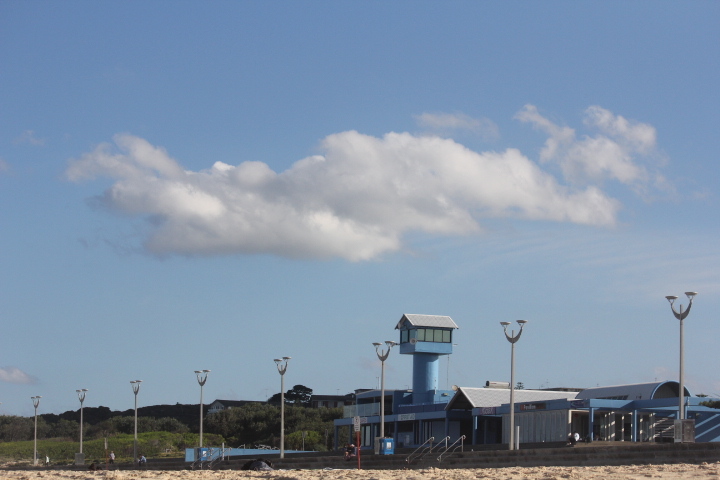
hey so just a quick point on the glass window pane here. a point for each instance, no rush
(446, 336)
(404, 336)
(438, 335)
(421, 334)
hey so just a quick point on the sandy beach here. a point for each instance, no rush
(633, 472)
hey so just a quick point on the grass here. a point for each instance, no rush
(61, 451)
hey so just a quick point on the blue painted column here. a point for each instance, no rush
(591, 420)
(474, 430)
(425, 376)
(635, 426)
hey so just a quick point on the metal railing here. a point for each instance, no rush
(423, 450)
(452, 450)
(219, 456)
(363, 410)
(212, 457)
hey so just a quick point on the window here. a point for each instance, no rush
(437, 335)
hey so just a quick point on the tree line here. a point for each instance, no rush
(248, 425)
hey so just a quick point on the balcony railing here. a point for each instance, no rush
(365, 410)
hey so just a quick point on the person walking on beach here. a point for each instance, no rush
(112, 457)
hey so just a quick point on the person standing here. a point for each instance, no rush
(112, 457)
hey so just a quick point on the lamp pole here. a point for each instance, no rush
(135, 384)
(201, 378)
(383, 355)
(81, 396)
(681, 316)
(281, 364)
(512, 338)
(36, 402)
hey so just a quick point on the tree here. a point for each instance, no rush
(64, 429)
(255, 424)
(297, 395)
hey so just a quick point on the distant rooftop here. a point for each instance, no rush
(467, 398)
(635, 391)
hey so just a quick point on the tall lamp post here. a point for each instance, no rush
(81, 397)
(135, 384)
(36, 403)
(681, 316)
(512, 338)
(281, 364)
(201, 378)
(382, 356)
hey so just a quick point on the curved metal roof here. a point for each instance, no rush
(635, 391)
(415, 320)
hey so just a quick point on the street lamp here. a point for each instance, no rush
(382, 356)
(281, 364)
(36, 402)
(512, 338)
(201, 378)
(681, 316)
(135, 384)
(81, 397)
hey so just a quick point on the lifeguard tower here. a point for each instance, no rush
(425, 337)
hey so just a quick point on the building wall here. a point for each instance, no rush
(535, 427)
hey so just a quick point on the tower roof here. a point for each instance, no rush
(414, 320)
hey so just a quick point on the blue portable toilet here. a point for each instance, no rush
(387, 446)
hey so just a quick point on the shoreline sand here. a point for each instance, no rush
(628, 472)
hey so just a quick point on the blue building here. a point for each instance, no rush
(636, 412)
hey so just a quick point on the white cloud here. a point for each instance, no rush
(4, 166)
(356, 201)
(615, 152)
(29, 137)
(15, 375)
(444, 123)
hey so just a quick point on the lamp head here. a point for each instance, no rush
(286, 358)
(671, 298)
(522, 322)
(504, 324)
(390, 343)
(690, 295)
(377, 344)
(277, 360)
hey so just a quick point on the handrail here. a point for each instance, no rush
(461, 447)
(208, 460)
(438, 444)
(409, 457)
(220, 456)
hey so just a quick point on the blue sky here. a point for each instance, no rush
(193, 186)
